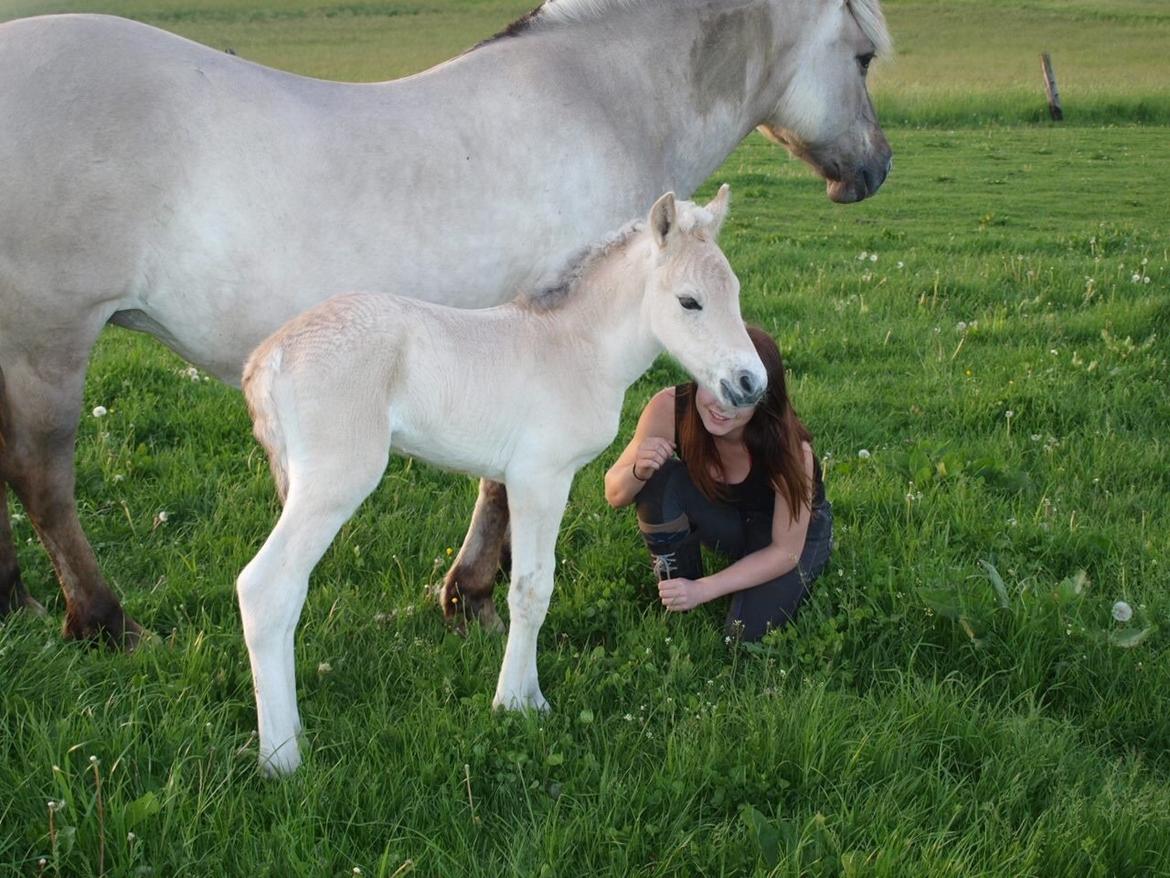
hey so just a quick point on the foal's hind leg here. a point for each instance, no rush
(13, 594)
(467, 588)
(329, 476)
(41, 404)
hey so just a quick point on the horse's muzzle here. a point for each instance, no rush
(862, 183)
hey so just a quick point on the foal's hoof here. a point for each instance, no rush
(282, 762)
(521, 701)
(113, 628)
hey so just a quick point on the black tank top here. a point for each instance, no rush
(754, 496)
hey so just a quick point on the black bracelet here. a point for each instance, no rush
(634, 470)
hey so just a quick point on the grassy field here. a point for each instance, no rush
(956, 700)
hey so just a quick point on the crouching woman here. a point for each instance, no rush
(743, 482)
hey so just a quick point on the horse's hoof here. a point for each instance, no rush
(18, 598)
(459, 610)
(114, 628)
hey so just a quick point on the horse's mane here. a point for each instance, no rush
(555, 293)
(868, 14)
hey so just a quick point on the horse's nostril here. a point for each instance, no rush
(746, 382)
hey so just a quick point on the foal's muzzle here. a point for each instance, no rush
(746, 390)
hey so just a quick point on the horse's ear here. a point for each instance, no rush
(718, 207)
(662, 218)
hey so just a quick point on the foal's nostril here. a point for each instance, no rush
(749, 386)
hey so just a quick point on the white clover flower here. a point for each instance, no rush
(901, 264)
(1012, 521)
(324, 668)
(862, 256)
(1122, 611)
(100, 411)
(629, 717)
(864, 454)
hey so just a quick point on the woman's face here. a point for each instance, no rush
(720, 420)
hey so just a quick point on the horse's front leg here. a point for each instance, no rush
(537, 504)
(468, 586)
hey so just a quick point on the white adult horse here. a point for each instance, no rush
(526, 394)
(156, 184)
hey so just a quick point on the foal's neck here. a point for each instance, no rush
(605, 318)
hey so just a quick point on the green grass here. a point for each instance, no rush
(917, 720)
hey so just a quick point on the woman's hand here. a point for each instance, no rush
(681, 595)
(652, 453)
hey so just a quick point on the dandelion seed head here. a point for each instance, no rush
(864, 454)
(1122, 611)
(100, 411)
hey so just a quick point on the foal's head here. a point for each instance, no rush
(693, 300)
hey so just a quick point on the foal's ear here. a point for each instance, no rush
(718, 208)
(662, 218)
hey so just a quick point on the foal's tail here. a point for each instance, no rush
(260, 372)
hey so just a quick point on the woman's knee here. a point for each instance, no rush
(661, 501)
(756, 611)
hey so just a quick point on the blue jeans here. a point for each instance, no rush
(670, 506)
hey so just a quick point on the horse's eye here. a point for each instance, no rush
(689, 303)
(865, 60)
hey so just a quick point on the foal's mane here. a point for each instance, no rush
(554, 294)
(868, 14)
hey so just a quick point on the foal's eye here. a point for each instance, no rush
(690, 303)
(865, 60)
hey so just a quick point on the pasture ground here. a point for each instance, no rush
(957, 699)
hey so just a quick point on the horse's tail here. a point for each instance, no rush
(260, 373)
(3, 412)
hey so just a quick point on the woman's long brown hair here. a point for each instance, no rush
(773, 437)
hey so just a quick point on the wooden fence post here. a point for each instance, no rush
(1054, 108)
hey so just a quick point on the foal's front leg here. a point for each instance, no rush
(537, 504)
